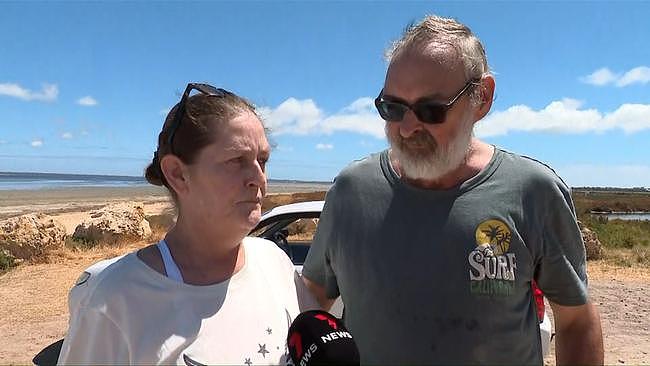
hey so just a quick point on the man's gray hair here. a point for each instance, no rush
(434, 32)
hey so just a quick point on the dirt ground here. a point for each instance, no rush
(621, 295)
(34, 309)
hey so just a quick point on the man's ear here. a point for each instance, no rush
(175, 172)
(486, 96)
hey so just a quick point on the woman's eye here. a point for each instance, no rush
(237, 160)
(262, 163)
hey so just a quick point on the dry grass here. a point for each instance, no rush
(273, 200)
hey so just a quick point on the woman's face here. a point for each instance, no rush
(227, 181)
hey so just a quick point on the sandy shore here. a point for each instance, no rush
(71, 206)
(53, 201)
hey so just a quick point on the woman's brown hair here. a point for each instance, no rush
(202, 116)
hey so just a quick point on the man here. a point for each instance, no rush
(433, 244)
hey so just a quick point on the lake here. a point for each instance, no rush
(639, 216)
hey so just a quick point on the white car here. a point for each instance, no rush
(274, 225)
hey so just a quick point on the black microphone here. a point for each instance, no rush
(319, 338)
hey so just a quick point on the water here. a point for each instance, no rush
(12, 181)
(639, 216)
(35, 181)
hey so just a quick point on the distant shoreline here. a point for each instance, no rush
(69, 199)
(28, 181)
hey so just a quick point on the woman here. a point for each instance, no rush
(206, 293)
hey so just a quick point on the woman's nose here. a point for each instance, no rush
(258, 176)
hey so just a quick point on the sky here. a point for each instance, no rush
(85, 86)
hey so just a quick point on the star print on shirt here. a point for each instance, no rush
(269, 330)
(263, 350)
(190, 362)
(248, 362)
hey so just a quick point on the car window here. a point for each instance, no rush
(301, 233)
(302, 230)
(260, 230)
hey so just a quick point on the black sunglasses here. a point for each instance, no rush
(206, 89)
(427, 111)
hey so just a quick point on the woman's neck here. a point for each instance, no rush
(205, 256)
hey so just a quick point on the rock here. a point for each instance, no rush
(593, 247)
(122, 222)
(31, 235)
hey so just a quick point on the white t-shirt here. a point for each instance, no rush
(135, 315)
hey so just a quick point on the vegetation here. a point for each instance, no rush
(76, 243)
(626, 242)
(7, 261)
(587, 201)
(619, 233)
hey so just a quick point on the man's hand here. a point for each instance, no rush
(578, 335)
(319, 293)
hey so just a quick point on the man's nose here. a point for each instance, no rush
(410, 124)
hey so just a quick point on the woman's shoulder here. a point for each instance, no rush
(266, 253)
(105, 278)
(260, 245)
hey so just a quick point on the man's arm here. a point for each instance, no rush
(579, 337)
(319, 293)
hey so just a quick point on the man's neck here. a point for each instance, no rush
(478, 157)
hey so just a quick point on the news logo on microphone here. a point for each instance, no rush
(318, 338)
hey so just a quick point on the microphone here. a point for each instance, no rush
(319, 338)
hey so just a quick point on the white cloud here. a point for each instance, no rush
(321, 146)
(604, 76)
(565, 116)
(301, 117)
(638, 75)
(87, 101)
(48, 92)
(292, 116)
(284, 148)
(37, 143)
(600, 77)
(66, 135)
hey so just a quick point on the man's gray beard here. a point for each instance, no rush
(420, 156)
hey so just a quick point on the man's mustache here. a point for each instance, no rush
(419, 140)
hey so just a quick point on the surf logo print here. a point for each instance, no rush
(492, 267)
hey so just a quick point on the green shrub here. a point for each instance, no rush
(642, 255)
(79, 243)
(619, 233)
(7, 261)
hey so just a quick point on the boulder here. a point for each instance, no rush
(122, 222)
(593, 247)
(31, 235)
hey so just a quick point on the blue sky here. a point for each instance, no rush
(84, 86)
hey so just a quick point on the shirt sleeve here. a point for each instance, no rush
(561, 270)
(306, 300)
(318, 266)
(93, 339)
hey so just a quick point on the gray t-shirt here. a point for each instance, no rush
(444, 276)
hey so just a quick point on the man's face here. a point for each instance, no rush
(429, 151)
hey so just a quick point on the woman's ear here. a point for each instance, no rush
(175, 172)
